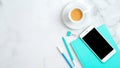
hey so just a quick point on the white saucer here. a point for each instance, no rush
(66, 11)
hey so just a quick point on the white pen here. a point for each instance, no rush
(65, 57)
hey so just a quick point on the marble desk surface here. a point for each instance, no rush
(30, 30)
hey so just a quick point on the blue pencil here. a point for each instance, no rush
(65, 57)
(68, 50)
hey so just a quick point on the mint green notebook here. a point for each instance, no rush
(87, 57)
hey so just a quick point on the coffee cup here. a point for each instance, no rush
(76, 15)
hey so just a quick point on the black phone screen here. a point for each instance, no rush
(97, 43)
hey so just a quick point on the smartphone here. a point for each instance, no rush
(98, 45)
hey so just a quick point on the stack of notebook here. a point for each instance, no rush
(87, 57)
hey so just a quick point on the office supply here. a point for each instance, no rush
(89, 60)
(64, 56)
(69, 33)
(68, 50)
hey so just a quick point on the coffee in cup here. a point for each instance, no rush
(75, 15)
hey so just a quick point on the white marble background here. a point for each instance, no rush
(30, 30)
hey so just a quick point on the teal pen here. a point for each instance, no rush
(65, 57)
(68, 50)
